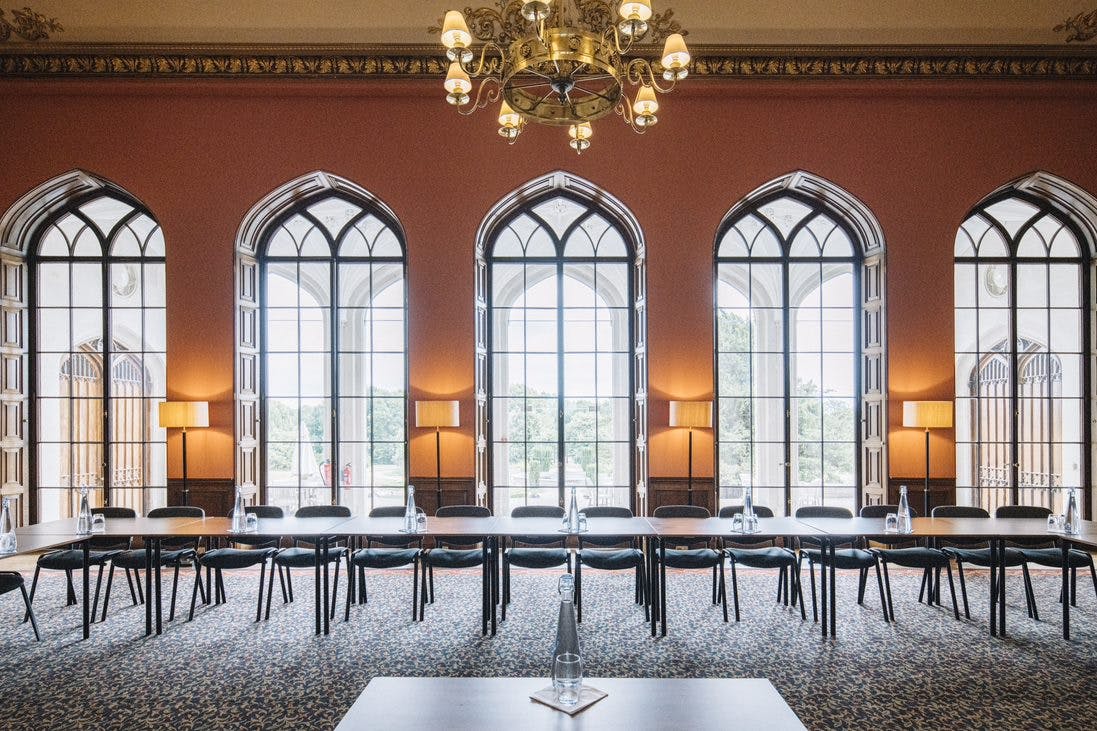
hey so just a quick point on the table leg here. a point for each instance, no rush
(653, 582)
(663, 585)
(1002, 587)
(1066, 590)
(994, 588)
(823, 593)
(87, 587)
(326, 543)
(148, 587)
(156, 569)
(485, 584)
(493, 599)
(319, 588)
(833, 599)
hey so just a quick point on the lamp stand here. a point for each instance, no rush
(925, 491)
(438, 463)
(689, 478)
(186, 487)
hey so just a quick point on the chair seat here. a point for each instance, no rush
(846, 558)
(234, 558)
(136, 559)
(73, 559)
(981, 556)
(304, 558)
(696, 558)
(1054, 557)
(762, 558)
(612, 560)
(454, 558)
(537, 558)
(385, 558)
(10, 581)
(915, 558)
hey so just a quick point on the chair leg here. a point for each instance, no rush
(350, 583)
(734, 590)
(30, 613)
(963, 587)
(71, 597)
(922, 588)
(431, 567)
(33, 587)
(363, 597)
(799, 596)
(884, 604)
(270, 588)
(1093, 574)
(506, 585)
(952, 590)
(416, 569)
(129, 580)
(98, 586)
(194, 592)
(1073, 587)
(140, 586)
(262, 580)
(715, 596)
(219, 580)
(106, 597)
(289, 583)
(937, 585)
(1030, 595)
(174, 589)
(887, 591)
(335, 589)
(811, 574)
(862, 581)
(282, 583)
(645, 587)
(724, 593)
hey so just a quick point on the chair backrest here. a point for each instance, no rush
(681, 511)
(538, 511)
(459, 511)
(881, 511)
(112, 544)
(730, 511)
(393, 511)
(1022, 511)
(260, 511)
(959, 511)
(178, 511)
(823, 511)
(323, 511)
(606, 511)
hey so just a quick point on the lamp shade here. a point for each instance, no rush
(184, 414)
(437, 413)
(692, 414)
(927, 414)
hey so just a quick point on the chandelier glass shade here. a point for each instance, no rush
(563, 63)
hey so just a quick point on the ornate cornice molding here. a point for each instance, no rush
(57, 60)
(27, 25)
(1079, 28)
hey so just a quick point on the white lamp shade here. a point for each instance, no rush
(437, 413)
(692, 414)
(645, 103)
(639, 9)
(675, 53)
(927, 414)
(455, 32)
(184, 414)
(457, 81)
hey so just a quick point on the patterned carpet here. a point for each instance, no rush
(225, 671)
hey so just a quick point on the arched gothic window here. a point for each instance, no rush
(799, 341)
(331, 355)
(560, 374)
(97, 334)
(1023, 275)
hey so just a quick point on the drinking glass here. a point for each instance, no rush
(583, 525)
(567, 678)
(891, 523)
(98, 523)
(1055, 523)
(737, 522)
(251, 523)
(420, 522)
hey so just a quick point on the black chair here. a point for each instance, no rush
(610, 553)
(771, 557)
(302, 555)
(12, 580)
(977, 553)
(534, 552)
(449, 552)
(219, 560)
(173, 553)
(102, 551)
(1047, 552)
(696, 552)
(849, 559)
(390, 553)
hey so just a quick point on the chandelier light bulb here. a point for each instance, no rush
(535, 10)
(580, 135)
(458, 85)
(456, 37)
(675, 58)
(635, 9)
(645, 106)
(510, 122)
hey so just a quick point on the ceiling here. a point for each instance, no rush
(709, 22)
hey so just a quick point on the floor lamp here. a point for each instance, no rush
(181, 415)
(437, 414)
(691, 415)
(927, 415)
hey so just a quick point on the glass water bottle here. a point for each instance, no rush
(750, 520)
(905, 524)
(1072, 519)
(239, 513)
(567, 629)
(83, 518)
(411, 516)
(572, 516)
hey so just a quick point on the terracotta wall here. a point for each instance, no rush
(200, 154)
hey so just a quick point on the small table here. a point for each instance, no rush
(632, 703)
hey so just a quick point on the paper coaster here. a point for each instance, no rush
(572, 532)
(587, 697)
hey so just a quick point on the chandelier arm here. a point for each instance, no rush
(483, 62)
(624, 110)
(639, 71)
(490, 91)
(612, 34)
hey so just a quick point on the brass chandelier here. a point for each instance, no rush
(562, 63)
